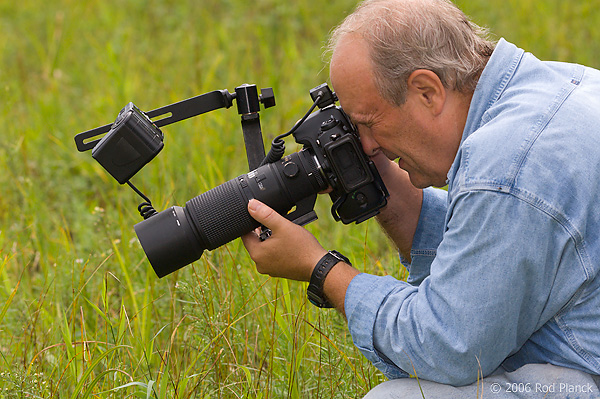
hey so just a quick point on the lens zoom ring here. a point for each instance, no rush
(221, 214)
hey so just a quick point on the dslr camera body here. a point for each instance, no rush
(331, 159)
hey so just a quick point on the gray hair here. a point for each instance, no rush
(406, 35)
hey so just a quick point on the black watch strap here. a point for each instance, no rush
(317, 279)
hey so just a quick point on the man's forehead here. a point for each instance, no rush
(350, 63)
(351, 74)
(349, 48)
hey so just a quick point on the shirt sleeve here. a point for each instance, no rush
(487, 292)
(428, 235)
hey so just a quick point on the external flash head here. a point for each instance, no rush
(132, 141)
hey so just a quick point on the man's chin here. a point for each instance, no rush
(419, 181)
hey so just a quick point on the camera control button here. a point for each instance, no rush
(329, 124)
(290, 169)
(361, 198)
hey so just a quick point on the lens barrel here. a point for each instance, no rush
(178, 236)
(169, 240)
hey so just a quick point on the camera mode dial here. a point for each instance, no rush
(329, 124)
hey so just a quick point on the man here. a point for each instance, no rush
(504, 266)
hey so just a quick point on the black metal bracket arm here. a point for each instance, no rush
(248, 104)
(178, 111)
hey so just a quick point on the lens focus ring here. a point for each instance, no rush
(221, 214)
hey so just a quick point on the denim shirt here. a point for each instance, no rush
(505, 264)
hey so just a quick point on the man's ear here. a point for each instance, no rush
(427, 89)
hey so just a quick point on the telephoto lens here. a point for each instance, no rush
(178, 236)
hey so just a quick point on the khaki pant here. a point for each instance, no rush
(530, 381)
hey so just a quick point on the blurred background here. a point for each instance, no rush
(81, 312)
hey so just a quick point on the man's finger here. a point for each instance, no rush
(264, 214)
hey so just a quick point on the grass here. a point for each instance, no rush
(82, 314)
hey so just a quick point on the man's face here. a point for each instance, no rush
(407, 132)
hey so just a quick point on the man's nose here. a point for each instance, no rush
(370, 146)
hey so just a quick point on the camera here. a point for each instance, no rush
(331, 158)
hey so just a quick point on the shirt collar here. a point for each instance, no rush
(494, 79)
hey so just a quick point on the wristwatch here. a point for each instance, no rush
(323, 267)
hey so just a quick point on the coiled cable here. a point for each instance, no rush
(145, 208)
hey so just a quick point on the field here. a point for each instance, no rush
(82, 314)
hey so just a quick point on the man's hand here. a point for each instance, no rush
(291, 252)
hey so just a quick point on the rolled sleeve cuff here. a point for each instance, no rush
(428, 235)
(364, 297)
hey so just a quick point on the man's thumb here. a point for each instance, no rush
(263, 214)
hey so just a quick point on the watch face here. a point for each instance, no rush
(317, 300)
(314, 298)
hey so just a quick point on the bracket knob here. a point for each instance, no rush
(267, 97)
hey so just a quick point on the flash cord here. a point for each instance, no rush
(145, 208)
(278, 145)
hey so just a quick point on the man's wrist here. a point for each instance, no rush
(315, 290)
